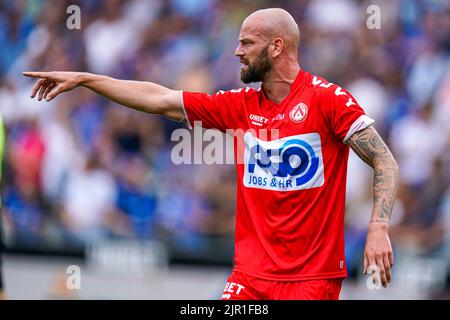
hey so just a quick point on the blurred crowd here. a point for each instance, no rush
(80, 168)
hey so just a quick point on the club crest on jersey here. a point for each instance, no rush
(299, 112)
(287, 164)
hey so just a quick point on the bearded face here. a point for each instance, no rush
(256, 70)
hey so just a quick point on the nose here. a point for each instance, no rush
(239, 52)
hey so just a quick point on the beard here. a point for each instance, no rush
(256, 71)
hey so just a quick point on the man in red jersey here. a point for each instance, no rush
(290, 188)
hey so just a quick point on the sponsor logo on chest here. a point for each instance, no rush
(287, 164)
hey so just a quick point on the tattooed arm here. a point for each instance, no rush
(369, 146)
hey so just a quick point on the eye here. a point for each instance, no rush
(245, 42)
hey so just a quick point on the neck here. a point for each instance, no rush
(277, 83)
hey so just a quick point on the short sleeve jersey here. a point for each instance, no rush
(291, 162)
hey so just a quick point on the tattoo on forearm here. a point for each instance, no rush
(369, 146)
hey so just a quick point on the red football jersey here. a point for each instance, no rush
(290, 187)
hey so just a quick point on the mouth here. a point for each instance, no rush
(244, 64)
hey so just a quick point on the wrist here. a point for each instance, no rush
(379, 221)
(378, 224)
(84, 78)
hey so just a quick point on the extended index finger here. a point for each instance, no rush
(36, 74)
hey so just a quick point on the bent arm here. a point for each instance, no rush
(144, 96)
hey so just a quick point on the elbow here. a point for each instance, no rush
(389, 164)
(393, 166)
(396, 173)
(397, 168)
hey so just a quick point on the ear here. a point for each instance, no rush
(277, 47)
